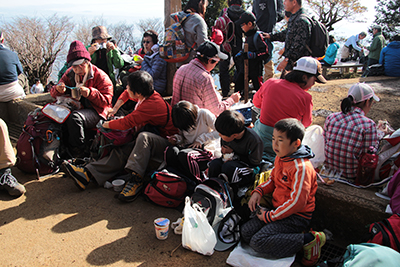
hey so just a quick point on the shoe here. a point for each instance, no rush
(312, 250)
(79, 174)
(9, 182)
(132, 189)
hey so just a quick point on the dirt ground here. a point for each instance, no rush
(55, 224)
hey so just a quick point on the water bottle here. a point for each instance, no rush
(366, 167)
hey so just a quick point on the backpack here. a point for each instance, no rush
(226, 25)
(319, 38)
(166, 189)
(105, 140)
(386, 232)
(38, 145)
(174, 48)
(270, 46)
(213, 196)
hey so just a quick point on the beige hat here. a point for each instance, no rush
(312, 66)
(100, 32)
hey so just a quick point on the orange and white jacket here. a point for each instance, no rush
(293, 183)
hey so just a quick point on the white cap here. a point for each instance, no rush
(312, 66)
(361, 92)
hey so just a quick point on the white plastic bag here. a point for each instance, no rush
(314, 138)
(197, 234)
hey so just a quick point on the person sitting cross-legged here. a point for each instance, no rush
(146, 152)
(281, 231)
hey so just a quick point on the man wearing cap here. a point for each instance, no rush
(90, 86)
(352, 43)
(297, 35)
(378, 42)
(10, 68)
(194, 83)
(104, 54)
(268, 13)
(349, 133)
(286, 98)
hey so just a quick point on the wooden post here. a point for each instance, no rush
(170, 6)
(246, 75)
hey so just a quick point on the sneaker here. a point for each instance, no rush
(9, 182)
(79, 174)
(312, 250)
(131, 191)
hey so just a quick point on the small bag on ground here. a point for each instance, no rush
(166, 189)
(197, 233)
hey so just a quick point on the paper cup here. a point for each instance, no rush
(162, 227)
(118, 185)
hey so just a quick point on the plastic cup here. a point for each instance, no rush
(162, 228)
(118, 185)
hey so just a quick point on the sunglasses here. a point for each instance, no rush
(146, 42)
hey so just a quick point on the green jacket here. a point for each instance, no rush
(376, 46)
(113, 58)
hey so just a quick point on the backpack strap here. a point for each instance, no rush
(312, 25)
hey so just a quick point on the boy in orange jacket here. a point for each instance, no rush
(278, 232)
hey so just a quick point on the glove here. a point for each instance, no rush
(251, 55)
(239, 55)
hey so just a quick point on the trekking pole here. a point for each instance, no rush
(246, 75)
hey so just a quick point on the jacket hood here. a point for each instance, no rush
(304, 152)
(394, 44)
(234, 12)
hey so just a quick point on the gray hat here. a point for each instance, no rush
(100, 32)
(379, 28)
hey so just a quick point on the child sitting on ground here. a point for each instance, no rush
(258, 50)
(196, 142)
(246, 146)
(278, 232)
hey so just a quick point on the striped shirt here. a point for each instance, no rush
(347, 136)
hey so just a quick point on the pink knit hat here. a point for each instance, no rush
(77, 53)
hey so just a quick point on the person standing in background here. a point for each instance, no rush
(268, 13)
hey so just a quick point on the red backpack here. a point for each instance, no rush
(166, 189)
(386, 232)
(226, 25)
(38, 145)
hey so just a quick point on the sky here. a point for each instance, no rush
(131, 11)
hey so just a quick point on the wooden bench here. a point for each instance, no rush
(343, 66)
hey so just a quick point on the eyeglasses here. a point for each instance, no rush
(146, 42)
(214, 60)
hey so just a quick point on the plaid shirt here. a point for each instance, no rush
(193, 83)
(346, 137)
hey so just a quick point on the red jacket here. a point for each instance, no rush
(153, 110)
(100, 85)
(293, 184)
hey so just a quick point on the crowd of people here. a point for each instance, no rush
(198, 131)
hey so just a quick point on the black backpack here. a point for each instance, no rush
(319, 38)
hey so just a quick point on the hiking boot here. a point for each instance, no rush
(132, 189)
(312, 250)
(79, 174)
(9, 182)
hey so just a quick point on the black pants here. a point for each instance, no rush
(77, 123)
(224, 76)
(190, 161)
